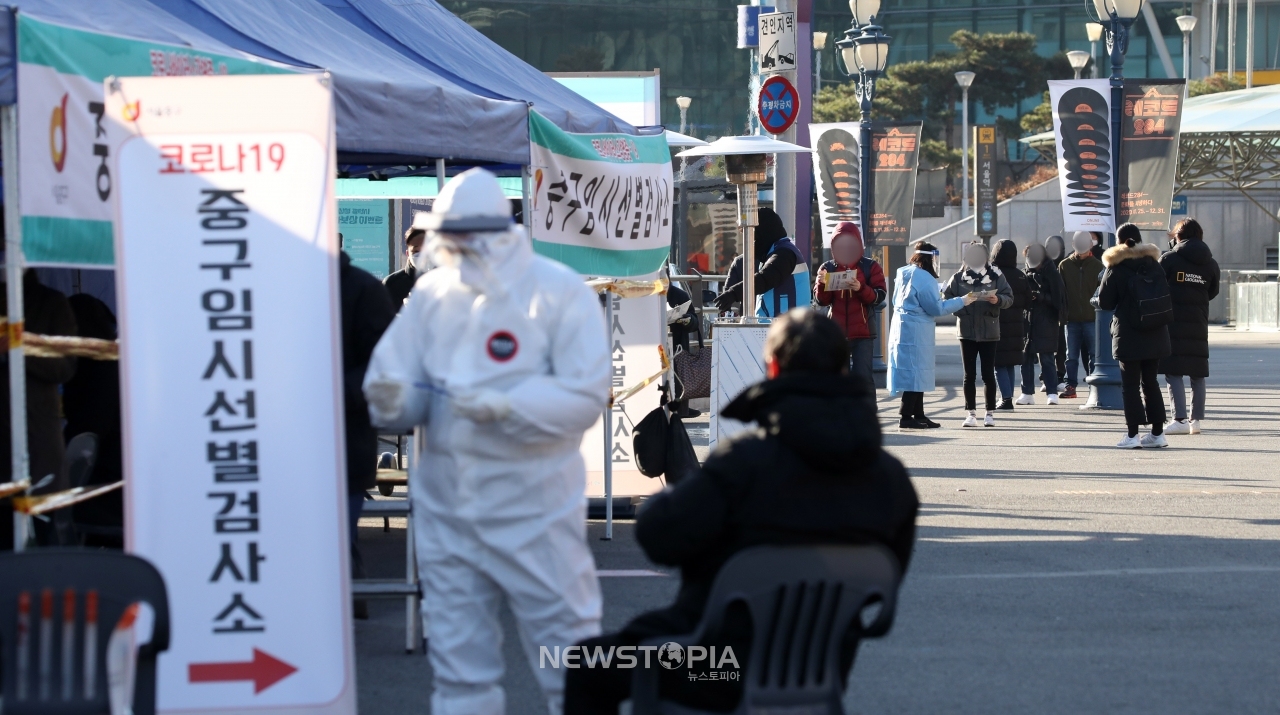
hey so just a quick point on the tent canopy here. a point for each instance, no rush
(412, 82)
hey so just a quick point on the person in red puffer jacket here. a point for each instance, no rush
(852, 307)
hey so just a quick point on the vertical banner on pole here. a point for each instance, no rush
(895, 156)
(1086, 152)
(986, 175)
(1149, 151)
(835, 174)
(233, 445)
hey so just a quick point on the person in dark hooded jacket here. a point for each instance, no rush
(782, 282)
(1004, 255)
(1193, 278)
(1055, 247)
(1043, 324)
(811, 472)
(1138, 350)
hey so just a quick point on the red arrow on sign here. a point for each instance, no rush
(264, 670)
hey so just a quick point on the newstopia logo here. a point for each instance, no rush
(669, 655)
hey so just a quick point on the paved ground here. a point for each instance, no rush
(1053, 574)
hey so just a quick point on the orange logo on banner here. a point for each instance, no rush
(132, 110)
(58, 130)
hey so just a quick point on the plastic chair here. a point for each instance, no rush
(802, 600)
(58, 583)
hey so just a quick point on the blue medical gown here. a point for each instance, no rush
(916, 302)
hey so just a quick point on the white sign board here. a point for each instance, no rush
(737, 362)
(639, 327)
(777, 33)
(231, 379)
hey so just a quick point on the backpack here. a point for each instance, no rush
(1150, 297)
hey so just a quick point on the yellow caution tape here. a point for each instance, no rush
(629, 289)
(44, 503)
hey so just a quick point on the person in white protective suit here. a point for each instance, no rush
(503, 356)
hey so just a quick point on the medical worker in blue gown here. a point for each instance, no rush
(917, 300)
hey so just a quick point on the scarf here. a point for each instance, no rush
(985, 279)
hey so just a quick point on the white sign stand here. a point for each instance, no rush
(227, 275)
(737, 362)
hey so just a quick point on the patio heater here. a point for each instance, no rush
(746, 163)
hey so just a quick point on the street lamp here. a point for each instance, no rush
(819, 44)
(865, 52)
(1186, 23)
(1094, 31)
(683, 103)
(1117, 16)
(964, 79)
(1078, 59)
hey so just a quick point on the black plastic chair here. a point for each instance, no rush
(80, 459)
(118, 580)
(802, 601)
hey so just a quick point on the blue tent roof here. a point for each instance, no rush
(411, 82)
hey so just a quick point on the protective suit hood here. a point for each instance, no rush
(472, 202)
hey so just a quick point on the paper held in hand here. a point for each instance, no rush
(843, 280)
(984, 294)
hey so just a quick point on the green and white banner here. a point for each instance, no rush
(66, 142)
(601, 202)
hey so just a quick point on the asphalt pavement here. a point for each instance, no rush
(1053, 573)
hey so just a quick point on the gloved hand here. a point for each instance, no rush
(725, 300)
(385, 397)
(482, 405)
(970, 298)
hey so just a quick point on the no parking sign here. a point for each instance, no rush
(778, 105)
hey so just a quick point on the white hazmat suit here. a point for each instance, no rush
(503, 356)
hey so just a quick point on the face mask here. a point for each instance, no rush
(847, 250)
(1035, 256)
(1082, 244)
(975, 257)
(417, 260)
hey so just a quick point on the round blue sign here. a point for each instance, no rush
(778, 105)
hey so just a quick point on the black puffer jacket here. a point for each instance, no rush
(1009, 350)
(1193, 282)
(1048, 307)
(812, 472)
(1128, 341)
(366, 313)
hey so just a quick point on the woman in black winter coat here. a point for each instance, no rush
(1056, 248)
(1043, 323)
(1131, 266)
(1004, 255)
(1193, 281)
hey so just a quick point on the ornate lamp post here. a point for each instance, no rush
(1117, 17)
(865, 51)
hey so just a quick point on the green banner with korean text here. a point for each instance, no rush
(67, 190)
(601, 202)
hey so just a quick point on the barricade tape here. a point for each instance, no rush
(11, 488)
(58, 346)
(629, 289)
(44, 503)
(617, 398)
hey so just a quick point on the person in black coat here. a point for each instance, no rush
(366, 312)
(1138, 350)
(1193, 278)
(400, 283)
(91, 403)
(1056, 249)
(1043, 324)
(811, 472)
(47, 313)
(776, 271)
(1004, 256)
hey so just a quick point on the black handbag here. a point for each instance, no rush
(682, 460)
(649, 443)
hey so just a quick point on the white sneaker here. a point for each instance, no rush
(1042, 388)
(1177, 427)
(971, 420)
(1195, 427)
(1062, 387)
(989, 420)
(1129, 443)
(1154, 441)
(1053, 400)
(1025, 399)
